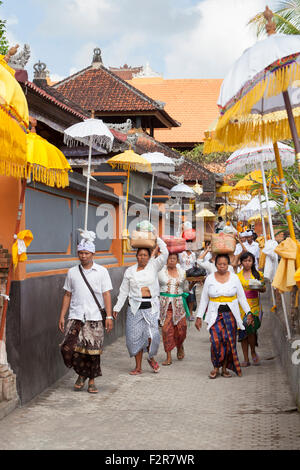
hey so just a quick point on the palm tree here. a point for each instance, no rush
(286, 17)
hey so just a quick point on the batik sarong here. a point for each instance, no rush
(82, 347)
(139, 329)
(173, 335)
(223, 342)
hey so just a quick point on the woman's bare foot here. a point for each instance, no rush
(135, 372)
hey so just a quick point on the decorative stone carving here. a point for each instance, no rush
(19, 61)
(270, 25)
(124, 127)
(177, 179)
(146, 72)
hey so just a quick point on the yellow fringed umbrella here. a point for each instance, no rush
(129, 160)
(14, 121)
(46, 163)
(205, 214)
(225, 209)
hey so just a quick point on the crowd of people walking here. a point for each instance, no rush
(159, 295)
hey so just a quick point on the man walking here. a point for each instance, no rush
(87, 292)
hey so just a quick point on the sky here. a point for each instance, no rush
(178, 38)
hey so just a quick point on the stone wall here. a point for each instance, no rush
(288, 349)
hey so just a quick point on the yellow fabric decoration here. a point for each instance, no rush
(12, 96)
(13, 146)
(223, 298)
(24, 238)
(5, 65)
(284, 279)
(262, 256)
(273, 308)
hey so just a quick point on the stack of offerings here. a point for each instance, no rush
(144, 236)
(196, 274)
(223, 243)
(175, 244)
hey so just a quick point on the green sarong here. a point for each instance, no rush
(184, 296)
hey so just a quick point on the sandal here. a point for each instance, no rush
(180, 354)
(256, 360)
(245, 364)
(154, 365)
(92, 388)
(214, 374)
(226, 374)
(79, 384)
(166, 363)
(135, 372)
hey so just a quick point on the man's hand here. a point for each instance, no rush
(198, 323)
(109, 324)
(61, 324)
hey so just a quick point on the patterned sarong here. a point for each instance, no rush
(82, 347)
(139, 329)
(173, 335)
(223, 342)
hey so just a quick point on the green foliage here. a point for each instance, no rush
(286, 17)
(3, 41)
(198, 156)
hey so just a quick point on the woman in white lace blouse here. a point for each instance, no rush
(221, 296)
(173, 307)
(140, 285)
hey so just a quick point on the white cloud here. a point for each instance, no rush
(219, 38)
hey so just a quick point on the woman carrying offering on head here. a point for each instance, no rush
(173, 307)
(222, 293)
(140, 285)
(249, 276)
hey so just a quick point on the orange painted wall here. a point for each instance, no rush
(10, 189)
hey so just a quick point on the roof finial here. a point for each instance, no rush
(97, 56)
(270, 25)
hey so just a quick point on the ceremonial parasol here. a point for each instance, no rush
(205, 213)
(246, 159)
(159, 163)
(259, 101)
(95, 134)
(129, 160)
(14, 121)
(182, 190)
(224, 189)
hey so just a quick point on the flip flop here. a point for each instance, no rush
(226, 375)
(80, 382)
(92, 388)
(166, 363)
(245, 364)
(154, 366)
(256, 361)
(214, 374)
(135, 372)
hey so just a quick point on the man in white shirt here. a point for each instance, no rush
(247, 244)
(84, 331)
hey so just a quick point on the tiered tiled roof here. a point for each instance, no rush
(192, 102)
(126, 72)
(99, 89)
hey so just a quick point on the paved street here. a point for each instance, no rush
(179, 408)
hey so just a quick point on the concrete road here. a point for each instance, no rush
(179, 408)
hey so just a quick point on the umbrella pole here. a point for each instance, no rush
(284, 192)
(267, 200)
(292, 124)
(262, 217)
(124, 240)
(151, 196)
(88, 186)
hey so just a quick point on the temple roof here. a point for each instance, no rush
(193, 102)
(99, 89)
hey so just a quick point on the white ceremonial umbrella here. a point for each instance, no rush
(159, 163)
(182, 190)
(95, 134)
(248, 159)
(255, 205)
